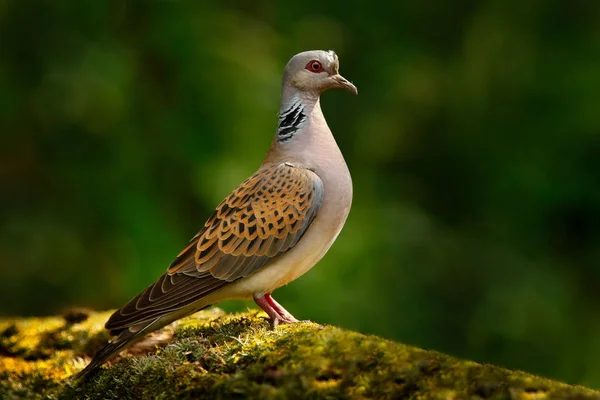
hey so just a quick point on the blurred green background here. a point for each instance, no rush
(474, 146)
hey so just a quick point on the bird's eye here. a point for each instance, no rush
(314, 66)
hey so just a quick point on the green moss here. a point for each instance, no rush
(240, 356)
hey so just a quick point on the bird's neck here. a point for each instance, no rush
(295, 114)
(302, 132)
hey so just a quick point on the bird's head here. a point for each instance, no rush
(315, 71)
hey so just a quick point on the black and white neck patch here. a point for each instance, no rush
(289, 122)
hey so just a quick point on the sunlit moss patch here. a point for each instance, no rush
(215, 355)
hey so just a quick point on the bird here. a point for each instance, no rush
(274, 227)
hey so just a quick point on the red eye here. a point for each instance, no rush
(314, 66)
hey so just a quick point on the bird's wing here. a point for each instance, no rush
(263, 218)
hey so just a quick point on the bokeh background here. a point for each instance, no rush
(474, 146)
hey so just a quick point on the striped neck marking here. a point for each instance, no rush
(290, 121)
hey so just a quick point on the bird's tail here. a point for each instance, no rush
(125, 339)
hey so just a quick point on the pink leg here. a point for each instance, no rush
(276, 312)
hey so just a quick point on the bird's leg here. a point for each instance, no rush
(274, 310)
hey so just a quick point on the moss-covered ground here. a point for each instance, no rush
(213, 355)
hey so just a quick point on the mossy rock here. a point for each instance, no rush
(213, 355)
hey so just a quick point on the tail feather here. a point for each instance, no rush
(131, 335)
(125, 339)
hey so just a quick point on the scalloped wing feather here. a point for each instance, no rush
(263, 218)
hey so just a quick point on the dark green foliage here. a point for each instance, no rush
(474, 146)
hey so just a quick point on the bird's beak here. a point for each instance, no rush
(341, 82)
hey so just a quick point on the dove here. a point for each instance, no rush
(271, 229)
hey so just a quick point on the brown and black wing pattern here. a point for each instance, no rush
(264, 217)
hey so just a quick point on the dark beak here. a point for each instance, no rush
(343, 83)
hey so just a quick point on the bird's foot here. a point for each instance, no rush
(282, 321)
(277, 314)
